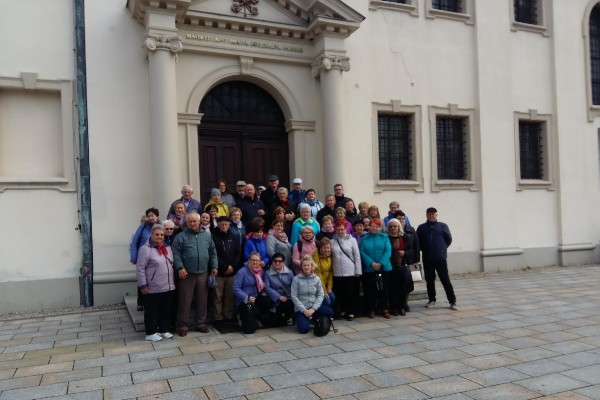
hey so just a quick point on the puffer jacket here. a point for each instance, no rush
(375, 248)
(307, 248)
(307, 292)
(276, 288)
(324, 270)
(275, 245)
(345, 257)
(256, 244)
(195, 251)
(153, 270)
(434, 238)
(244, 285)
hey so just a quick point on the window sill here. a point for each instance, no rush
(386, 5)
(534, 184)
(453, 185)
(383, 185)
(521, 26)
(464, 17)
(42, 182)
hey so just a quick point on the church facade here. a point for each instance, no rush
(485, 110)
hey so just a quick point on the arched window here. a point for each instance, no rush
(595, 53)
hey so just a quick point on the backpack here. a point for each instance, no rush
(323, 324)
(248, 317)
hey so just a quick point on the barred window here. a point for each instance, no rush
(451, 133)
(595, 53)
(526, 11)
(395, 139)
(448, 5)
(531, 149)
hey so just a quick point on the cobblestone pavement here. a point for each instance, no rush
(516, 336)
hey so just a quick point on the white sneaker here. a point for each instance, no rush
(453, 307)
(430, 304)
(154, 338)
(166, 335)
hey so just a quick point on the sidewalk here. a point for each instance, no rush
(517, 336)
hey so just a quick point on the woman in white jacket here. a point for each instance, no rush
(346, 266)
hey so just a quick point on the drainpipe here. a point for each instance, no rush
(86, 279)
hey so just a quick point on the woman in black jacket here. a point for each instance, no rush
(405, 251)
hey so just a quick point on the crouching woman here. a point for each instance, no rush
(307, 295)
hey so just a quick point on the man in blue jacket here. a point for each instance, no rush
(435, 238)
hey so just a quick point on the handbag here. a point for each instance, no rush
(211, 281)
(323, 324)
(416, 272)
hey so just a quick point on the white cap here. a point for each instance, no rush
(297, 180)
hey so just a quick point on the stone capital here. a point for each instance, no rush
(328, 62)
(154, 42)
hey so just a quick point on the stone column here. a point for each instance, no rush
(162, 52)
(329, 69)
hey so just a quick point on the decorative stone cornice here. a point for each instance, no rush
(328, 62)
(155, 42)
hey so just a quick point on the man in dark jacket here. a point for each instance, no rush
(194, 257)
(329, 209)
(251, 206)
(229, 256)
(435, 238)
(340, 197)
(269, 195)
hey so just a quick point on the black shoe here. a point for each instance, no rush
(140, 308)
(406, 308)
(349, 317)
(403, 312)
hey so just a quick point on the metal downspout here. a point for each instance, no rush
(86, 279)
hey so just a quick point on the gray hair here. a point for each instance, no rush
(396, 221)
(303, 206)
(157, 227)
(168, 224)
(282, 189)
(190, 214)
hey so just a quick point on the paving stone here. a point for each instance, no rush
(134, 391)
(17, 383)
(316, 351)
(93, 395)
(489, 361)
(394, 378)
(507, 391)
(589, 374)
(551, 384)
(11, 356)
(341, 387)
(477, 338)
(566, 396)
(234, 353)
(242, 374)
(442, 355)
(593, 392)
(190, 394)
(198, 381)
(241, 388)
(217, 365)
(279, 346)
(445, 386)
(101, 361)
(160, 373)
(268, 358)
(252, 341)
(580, 359)
(28, 347)
(202, 347)
(387, 364)
(185, 360)
(314, 341)
(35, 392)
(404, 349)
(294, 393)
(568, 347)
(360, 345)
(348, 370)
(355, 356)
(86, 385)
(44, 369)
(135, 366)
(484, 348)
(298, 378)
(401, 339)
(7, 373)
(70, 376)
(531, 354)
(156, 354)
(444, 369)
(494, 376)
(308, 363)
(539, 367)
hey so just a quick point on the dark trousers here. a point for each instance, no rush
(303, 322)
(376, 298)
(261, 306)
(346, 290)
(157, 312)
(441, 267)
(193, 288)
(401, 285)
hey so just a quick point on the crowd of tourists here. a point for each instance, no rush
(277, 257)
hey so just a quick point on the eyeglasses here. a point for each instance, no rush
(169, 229)
(254, 260)
(277, 261)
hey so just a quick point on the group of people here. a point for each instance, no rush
(310, 262)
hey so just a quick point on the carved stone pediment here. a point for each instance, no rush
(300, 20)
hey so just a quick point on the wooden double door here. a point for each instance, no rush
(242, 137)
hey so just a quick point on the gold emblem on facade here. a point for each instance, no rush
(245, 6)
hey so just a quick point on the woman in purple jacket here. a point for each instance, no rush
(156, 281)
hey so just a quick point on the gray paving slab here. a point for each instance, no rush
(551, 384)
(298, 378)
(495, 376)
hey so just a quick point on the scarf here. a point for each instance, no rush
(281, 236)
(162, 249)
(260, 285)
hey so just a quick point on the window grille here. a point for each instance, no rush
(526, 11)
(395, 147)
(595, 53)
(531, 149)
(447, 5)
(451, 133)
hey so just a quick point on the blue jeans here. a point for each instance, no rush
(329, 301)
(303, 323)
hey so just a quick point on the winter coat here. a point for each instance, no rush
(141, 236)
(412, 248)
(434, 239)
(228, 251)
(244, 285)
(276, 288)
(238, 233)
(154, 270)
(324, 270)
(194, 251)
(376, 248)
(259, 245)
(305, 248)
(299, 224)
(249, 207)
(222, 208)
(275, 245)
(307, 292)
(345, 257)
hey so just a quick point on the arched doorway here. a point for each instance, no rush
(242, 136)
